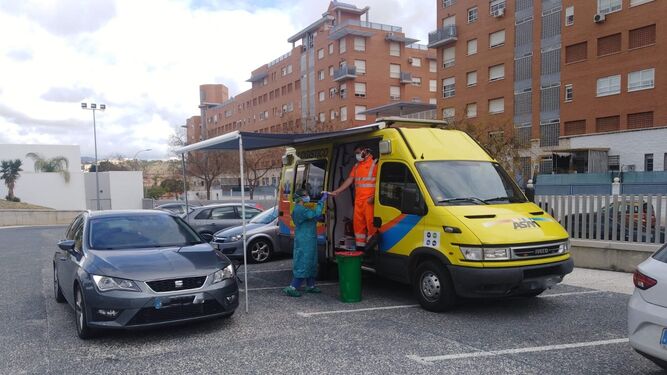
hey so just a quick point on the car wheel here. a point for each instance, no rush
(82, 328)
(433, 287)
(206, 236)
(57, 292)
(260, 250)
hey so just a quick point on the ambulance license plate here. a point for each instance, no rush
(663, 340)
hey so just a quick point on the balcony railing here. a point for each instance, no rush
(346, 72)
(369, 25)
(406, 77)
(443, 36)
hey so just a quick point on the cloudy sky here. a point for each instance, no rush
(145, 60)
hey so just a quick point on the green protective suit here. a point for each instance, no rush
(304, 260)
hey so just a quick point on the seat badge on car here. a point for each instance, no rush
(178, 284)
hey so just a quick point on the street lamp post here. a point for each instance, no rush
(93, 107)
(137, 165)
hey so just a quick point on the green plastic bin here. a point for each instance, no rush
(349, 275)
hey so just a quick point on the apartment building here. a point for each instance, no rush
(562, 77)
(339, 68)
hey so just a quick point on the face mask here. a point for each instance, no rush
(359, 157)
(306, 199)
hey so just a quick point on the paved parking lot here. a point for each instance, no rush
(573, 329)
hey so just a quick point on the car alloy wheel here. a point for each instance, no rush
(82, 328)
(260, 251)
(57, 292)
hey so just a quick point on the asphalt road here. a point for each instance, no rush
(568, 330)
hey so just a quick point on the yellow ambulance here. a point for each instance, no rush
(451, 222)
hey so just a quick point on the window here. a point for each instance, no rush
(394, 49)
(575, 127)
(641, 80)
(642, 37)
(569, 93)
(648, 162)
(634, 3)
(394, 71)
(432, 66)
(343, 91)
(497, 39)
(343, 113)
(496, 7)
(224, 213)
(416, 81)
(321, 96)
(332, 92)
(607, 124)
(448, 57)
(341, 46)
(432, 101)
(320, 75)
(357, 112)
(449, 21)
(331, 71)
(310, 177)
(321, 117)
(360, 89)
(448, 87)
(471, 78)
(359, 44)
(640, 120)
(472, 14)
(569, 16)
(609, 44)
(320, 54)
(609, 6)
(497, 72)
(497, 105)
(416, 62)
(472, 47)
(361, 66)
(395, 92)
(331, 48)
(399, 189)
(664, 168)
(448, 3)
(609, 85)
(448, 113)
(471, 110)
(576, 52)
(432, 85)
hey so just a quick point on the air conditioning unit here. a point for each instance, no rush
(599, 18)
(498, 12)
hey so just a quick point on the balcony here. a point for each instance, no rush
(442, 37)
(345, 73)
(406, 77)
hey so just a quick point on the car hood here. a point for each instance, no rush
(233, 231)
(159, 263)
(509, 223)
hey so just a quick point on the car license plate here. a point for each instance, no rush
(663, 340)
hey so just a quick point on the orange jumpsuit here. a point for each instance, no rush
(364, 173)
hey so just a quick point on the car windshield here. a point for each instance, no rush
(140, 231)
(265, 217)
(468, 183)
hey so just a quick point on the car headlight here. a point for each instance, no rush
(106, 283)
(225, 273)
(235, 238)
(564, 247)
(496, 254)
(472, 253)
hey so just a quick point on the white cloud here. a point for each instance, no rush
(145, 60)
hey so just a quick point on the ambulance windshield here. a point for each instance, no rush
(457, 182)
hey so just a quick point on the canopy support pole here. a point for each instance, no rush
(243, 217)
(185, 188)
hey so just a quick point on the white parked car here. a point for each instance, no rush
(647, 310)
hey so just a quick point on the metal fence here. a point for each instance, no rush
(625, 218)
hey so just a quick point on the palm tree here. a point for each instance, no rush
(10, 172)
(58, 164)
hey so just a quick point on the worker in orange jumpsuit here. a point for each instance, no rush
(363, 175)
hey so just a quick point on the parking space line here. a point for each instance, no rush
(309, 314)
(572, 293)
(280, 287)
(430, 360)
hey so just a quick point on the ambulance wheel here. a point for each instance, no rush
(433, 287)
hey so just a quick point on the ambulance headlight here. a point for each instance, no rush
(472, 253)
(497, 254)
(564, 247)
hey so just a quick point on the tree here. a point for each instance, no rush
(155, 192)
(107, 166)
(256, 164)
(57, 164)
(10, 171)
(172, 185)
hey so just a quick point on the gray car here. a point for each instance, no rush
(207, 220)
(132, 269)
(261, 234)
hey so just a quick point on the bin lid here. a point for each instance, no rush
(349, 253)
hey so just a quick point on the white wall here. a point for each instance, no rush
(630, 145)
(119, 190)
(46, 189)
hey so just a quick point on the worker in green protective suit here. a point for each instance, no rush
(304, 258)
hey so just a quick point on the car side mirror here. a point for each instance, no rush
(67, 245)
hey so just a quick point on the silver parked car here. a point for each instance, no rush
(207, 220)
(178, 208)
(262, 237)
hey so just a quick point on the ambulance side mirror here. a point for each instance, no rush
(377, 222)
